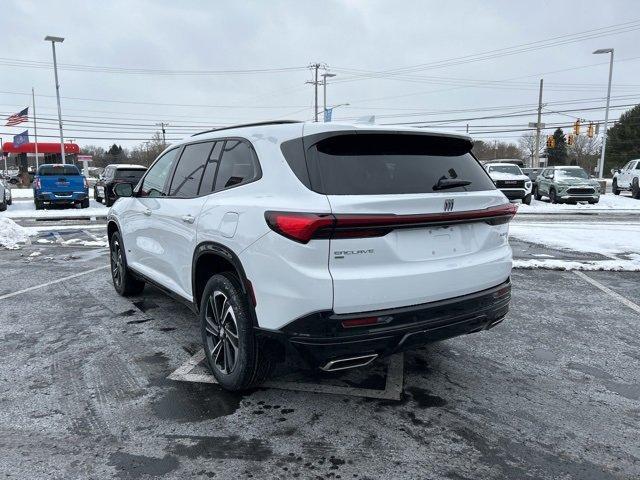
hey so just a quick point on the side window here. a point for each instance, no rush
(238, 165)
(153, 183)
(638, 165)
(209, 176)
(627, 166)
(188, 174)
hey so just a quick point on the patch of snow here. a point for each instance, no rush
(607, 202)
(27, 193)
(12, 234)
(604, 238)
(595, 265)
(35, 254)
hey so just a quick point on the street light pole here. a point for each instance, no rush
(53, 41)
(606, 113)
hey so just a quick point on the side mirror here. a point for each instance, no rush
(123, 190)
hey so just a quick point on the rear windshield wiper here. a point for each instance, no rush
(445, 183)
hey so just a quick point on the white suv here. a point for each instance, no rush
(346, 242)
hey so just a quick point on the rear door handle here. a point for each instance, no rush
(147, 211)
(188, 218)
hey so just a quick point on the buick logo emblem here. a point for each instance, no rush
(448, 205)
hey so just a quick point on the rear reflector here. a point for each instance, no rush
(303, 227)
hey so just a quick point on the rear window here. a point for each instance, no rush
(379, 164)
(51, 170)
(514, 169)
(133, 174)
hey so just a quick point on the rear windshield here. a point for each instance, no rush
(379, 164)
(129, 173)
(51, 170)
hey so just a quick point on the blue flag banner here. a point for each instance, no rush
(21, 138)
(327, 114)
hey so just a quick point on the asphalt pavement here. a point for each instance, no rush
(90, 389)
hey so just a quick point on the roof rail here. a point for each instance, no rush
(256, 124)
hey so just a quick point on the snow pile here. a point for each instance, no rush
(26, 209)
(11, 234)
(619, 265)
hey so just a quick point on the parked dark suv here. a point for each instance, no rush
(113, 174)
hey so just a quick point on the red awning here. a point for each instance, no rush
(42, 148)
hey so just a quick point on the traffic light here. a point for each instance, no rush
(590, 130)
(551, 141)
(576, 127)
(570, 139)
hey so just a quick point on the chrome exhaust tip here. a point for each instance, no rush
(349, 362)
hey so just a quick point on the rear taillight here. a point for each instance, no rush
(303, 227)
(86, 184)
(300, 227)
(36, 184)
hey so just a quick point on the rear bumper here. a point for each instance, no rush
(320, 338)
(53, 197)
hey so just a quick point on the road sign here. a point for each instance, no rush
(535, 125)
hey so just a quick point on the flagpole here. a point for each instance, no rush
(35, 125)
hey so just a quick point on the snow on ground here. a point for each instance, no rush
(617, 241)
(607, 239)
(12, 234)
(607, 202)
(26, 209)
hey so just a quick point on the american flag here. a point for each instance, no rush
(16, 119)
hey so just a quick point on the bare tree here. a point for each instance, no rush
(584, 152)
(147, 152)
(492, 150)
(527, 143)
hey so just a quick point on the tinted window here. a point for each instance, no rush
(186, 179)
(206, 186)
(638, 166)
(131, 175)
(571, 173)
(51, 170)
(153, 184)
(377, 164)
(238, 165)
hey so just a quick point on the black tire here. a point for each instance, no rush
(38, 205)
(84, 203)
(225, 321)
(107, 201)
(3, 206)
(10, 201)
(635, 189)
(536, 194)
(552, 195)
(594, 201)
(527, 200)
(614, 187)
(123, 281)
(96, 197)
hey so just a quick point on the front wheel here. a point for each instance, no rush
(3, 206)
(635, 189)
(123, 281)
(527, 200)
(236, 357)
(85, 203)
(552, 195)
(614, 187)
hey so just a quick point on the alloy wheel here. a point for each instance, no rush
(222, 332)
(116, 263)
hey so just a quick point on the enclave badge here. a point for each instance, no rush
(448, 205)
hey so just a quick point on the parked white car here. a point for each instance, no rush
(511, 181)
(627, 178)
(347, 242)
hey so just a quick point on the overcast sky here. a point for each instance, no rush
(448, 75)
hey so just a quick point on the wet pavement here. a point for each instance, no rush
(553, 392)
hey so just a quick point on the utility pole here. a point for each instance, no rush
(163, 125)
(35, 125)
(606, 113)
(315, 83)
(325, 75)
(536, 151)
(53, 41)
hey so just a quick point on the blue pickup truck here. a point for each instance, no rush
(58, 184)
